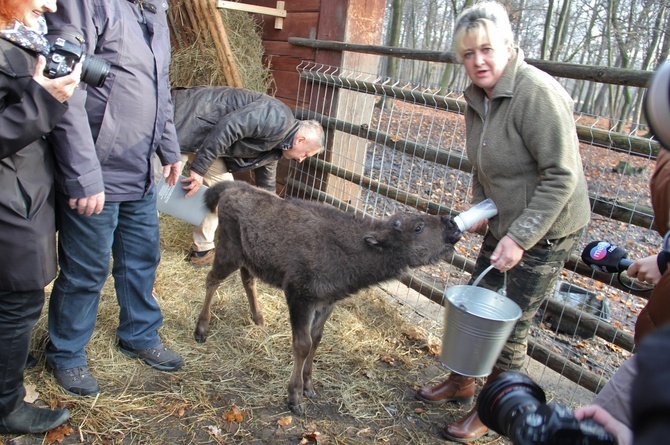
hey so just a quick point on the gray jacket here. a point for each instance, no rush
(526, 156)
(107, 139)
(249, 130)
(27, 222)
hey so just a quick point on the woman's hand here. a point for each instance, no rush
(61, 88)
(506, 255)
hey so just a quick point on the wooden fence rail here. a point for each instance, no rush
(612, 209)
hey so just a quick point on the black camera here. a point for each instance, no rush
(657, 105)
(64, 55)
(515, 406)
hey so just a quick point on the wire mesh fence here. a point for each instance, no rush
(396, 146)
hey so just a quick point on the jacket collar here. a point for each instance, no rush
(16, 61)
(475, 96)
(287, 142)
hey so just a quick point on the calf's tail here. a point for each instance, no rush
(213, 194)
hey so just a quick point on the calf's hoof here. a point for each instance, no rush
(297, 408)
(259, 321)
(309, 391)
(200, 336)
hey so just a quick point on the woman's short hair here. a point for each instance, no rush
(483, 21)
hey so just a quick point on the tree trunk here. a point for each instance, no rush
(547, 30)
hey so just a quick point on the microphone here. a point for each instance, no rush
(605, 257)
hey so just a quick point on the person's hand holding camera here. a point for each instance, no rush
(620, 431)
(61, 88)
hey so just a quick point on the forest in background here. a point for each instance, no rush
(627, 34)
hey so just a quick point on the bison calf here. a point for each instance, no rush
(317, 255)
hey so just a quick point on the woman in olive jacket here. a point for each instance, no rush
(521, 140)
(30, 106)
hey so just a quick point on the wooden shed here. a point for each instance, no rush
(359, 21)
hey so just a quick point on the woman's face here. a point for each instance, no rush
(484, 62)
(29, 11)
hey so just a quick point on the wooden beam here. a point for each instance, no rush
(279, 21)
(214, 22)
(275, 12)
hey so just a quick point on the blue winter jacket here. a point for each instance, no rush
(107, 139)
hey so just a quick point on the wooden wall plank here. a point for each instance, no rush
(296, 24)
(291, 5)
(273, 48)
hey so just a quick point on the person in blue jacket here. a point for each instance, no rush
(105, 194)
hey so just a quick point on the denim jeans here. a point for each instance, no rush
(127, 230)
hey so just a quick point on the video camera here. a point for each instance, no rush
(515, 406)
(657, 105)
(64, 55)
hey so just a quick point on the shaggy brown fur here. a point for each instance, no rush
(317, 255)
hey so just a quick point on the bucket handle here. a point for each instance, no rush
(479, 278)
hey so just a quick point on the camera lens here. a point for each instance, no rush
(501, 402)
(94, 70)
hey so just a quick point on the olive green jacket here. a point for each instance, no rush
(525, 155)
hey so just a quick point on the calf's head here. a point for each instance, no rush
(420, 238)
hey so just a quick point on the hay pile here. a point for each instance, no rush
(194, 57)
(232, 389)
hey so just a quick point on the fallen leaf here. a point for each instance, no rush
(31, 393)
(178, 409)
(387, 359)
(314, 437)
(234, 415)
(285, 421)
(414, 335)
(434, 349)
(57, 434)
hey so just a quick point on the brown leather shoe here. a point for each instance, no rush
(467, 429)
(204, 258)
(456, 388)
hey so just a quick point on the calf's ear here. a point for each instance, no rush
(370, 240)
(377, 240)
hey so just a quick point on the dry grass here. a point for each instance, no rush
(196, 62)
(369, 363)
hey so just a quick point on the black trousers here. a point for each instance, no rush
(19, 311)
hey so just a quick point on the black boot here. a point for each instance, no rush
(28, 418)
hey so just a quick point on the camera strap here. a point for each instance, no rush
(663, 258)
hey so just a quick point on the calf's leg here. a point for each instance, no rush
(249, 283)
(316, 333)
(219, 272)
(301, 321)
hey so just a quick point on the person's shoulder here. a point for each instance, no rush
(15, 61)
(531, 80)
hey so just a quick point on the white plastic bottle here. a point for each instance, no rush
(483, 210)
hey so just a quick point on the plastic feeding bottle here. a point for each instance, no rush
(483, 210)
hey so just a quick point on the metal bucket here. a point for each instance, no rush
(478, 322)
